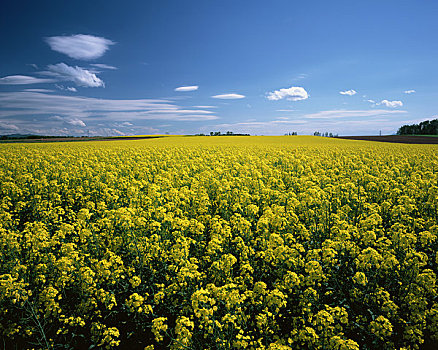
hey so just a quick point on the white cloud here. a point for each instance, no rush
(187, 88)
(348, 92)
(285, 110)
(80, 46)
(78, 75)
(205, 106)
(392, 104)
(75, 122)
(229, 96)
(410, 91)
(103, 66)
(371, 101)
(294, 93)
(23, 80)
(71, 89)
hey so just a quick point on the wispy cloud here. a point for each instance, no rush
(103, 66)
(68, 120)
(39, 90)
(5, 127)
(78, 75)
(294, 93)
(80, 46)
(300, 77)
(187, 88)
(392, 104)
(261, 124)
(56, 117)
(410, 92)
(348, 92)
(342, 122)
(23, 80)
(342, 113)
(16, 104)
(205, 106)
(64, 88)
(228, 96)
(285, 110)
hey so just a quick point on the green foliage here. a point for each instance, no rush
(428, 127)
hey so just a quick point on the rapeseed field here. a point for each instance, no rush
(219, 243)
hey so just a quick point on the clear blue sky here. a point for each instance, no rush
(260, 67)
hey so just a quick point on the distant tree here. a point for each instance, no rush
(228, 133)
(324, 134)
(428, 127)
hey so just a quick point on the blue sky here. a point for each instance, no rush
(185, 67)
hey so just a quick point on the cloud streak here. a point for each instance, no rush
(8, 127)
(341, 113)
(24, 103)
(23, 80)
(39, 90)
(229, 96)
(103, 66)
(187, 88)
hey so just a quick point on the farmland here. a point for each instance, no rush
(218, 243)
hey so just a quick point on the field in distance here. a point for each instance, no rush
(415, 139)
(287, 242)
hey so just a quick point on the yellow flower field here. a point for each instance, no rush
(219, 243)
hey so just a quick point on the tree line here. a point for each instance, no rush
(218, 133)
(428, 127)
